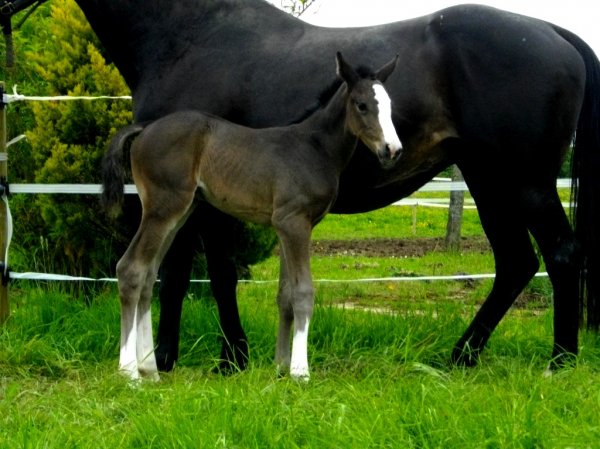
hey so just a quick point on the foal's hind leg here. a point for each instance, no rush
(516, 264)
(146, 359)
(136, 272)
(133, 273)
(296, 295)
(129, 294)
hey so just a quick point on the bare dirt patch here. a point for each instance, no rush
(418, 247)
(385, 247)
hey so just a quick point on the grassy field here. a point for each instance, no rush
(380, 376)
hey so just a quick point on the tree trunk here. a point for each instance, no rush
(455, 214)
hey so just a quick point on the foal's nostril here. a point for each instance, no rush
(391, 151)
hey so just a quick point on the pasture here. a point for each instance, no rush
(378, 352)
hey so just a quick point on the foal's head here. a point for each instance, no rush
(369, 109)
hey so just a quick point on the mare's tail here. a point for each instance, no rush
(585, 192)
(113, 171)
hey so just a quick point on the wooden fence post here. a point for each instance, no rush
(4, 307)
(455, 213)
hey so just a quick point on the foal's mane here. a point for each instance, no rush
(327, 94)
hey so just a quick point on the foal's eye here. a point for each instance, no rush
(361, 107)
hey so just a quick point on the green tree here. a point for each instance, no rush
(69, 139)
(296, 7)
(65, 143)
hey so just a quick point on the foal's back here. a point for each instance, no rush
(242, 171)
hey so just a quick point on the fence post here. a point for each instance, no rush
(455, 213)
(4, 307)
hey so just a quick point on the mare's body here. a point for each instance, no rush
(497, 93)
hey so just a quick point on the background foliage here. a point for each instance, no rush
(57, 53)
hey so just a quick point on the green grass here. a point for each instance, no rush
(389, 293)
(378, 380)
(379, 376)
(394, 222)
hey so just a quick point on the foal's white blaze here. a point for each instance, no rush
(384, 104)
(299, 362)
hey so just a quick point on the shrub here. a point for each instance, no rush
(66, 144)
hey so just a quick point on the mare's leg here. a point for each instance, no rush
(175, 272)
(550, 227)
(218, 234)
(217, 231)
(294, 235)
(516, 262)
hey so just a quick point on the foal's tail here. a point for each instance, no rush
(113, 171)
(585, 191)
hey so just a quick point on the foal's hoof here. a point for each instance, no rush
(301, 376)
(234, 357)
(130, 373)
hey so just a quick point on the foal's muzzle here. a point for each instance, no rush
(388, 154)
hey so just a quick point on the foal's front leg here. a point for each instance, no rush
(283, 353)
(296, 294)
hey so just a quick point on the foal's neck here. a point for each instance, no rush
(328, 131)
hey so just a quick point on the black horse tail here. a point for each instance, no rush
(113, 171)
(585, 190)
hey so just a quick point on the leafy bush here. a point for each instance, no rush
(68, 140)
(70, 233)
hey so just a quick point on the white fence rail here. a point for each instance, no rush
(94, 189)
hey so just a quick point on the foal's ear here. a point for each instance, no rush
(383, 73)
(345, 71)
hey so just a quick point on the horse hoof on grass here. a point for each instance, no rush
(464, 357)
(562, 361)
(234, 357)
(164, 361)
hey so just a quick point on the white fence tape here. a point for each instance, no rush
(76, 189)
(95, 189)
(459, 277)
(433, 186)
(14, 97)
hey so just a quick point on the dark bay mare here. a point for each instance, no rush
(501, 95)
(286, 177)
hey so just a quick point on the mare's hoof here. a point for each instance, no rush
(234, 357)
(464, 356)
(559, 362)
(165, 361)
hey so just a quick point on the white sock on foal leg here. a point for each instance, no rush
(128, 354)
(299, 362)
(145, 348)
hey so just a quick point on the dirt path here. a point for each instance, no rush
(384, 247)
